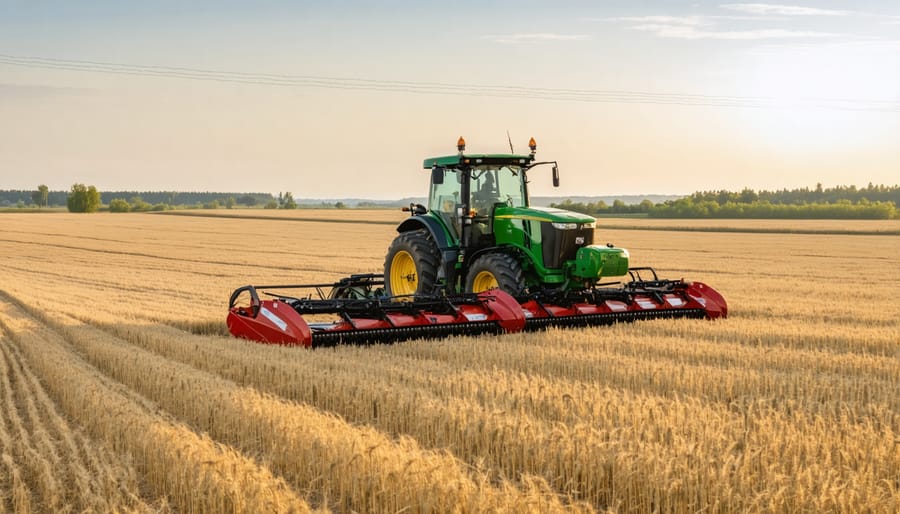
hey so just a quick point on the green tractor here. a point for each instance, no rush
(479, 232)
(478, 259)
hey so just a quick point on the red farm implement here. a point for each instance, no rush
(360, 315)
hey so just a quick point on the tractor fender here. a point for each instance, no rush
(431, 225)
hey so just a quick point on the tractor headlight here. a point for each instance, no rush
(592, 224)
(565, 226)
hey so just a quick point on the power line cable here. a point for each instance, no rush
(440, 88)
(352, 83)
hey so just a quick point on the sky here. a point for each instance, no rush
(345, 99)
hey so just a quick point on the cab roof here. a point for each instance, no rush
(458, 160)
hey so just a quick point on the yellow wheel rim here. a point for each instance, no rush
(403, 274)
(483, 281)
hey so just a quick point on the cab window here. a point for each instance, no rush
(444, 199)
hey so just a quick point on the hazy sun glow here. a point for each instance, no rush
(812, 98)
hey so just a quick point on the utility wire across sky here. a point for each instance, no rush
(438, 88)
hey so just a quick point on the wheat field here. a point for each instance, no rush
(122, 392)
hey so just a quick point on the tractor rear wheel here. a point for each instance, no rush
(411, 265)
(496, 270)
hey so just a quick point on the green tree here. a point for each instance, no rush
(340, 205)
(271, 204)
(83, 198)
(287, 201)
(41, 196)
(230, 202)
(119, 205)
(138, 204)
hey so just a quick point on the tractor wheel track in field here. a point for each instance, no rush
(177, 465)
(53, 465)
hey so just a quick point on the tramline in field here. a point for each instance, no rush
(478, 259)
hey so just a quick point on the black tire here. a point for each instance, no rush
(504, 268)
(419, 245)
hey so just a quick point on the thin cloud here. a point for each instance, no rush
(535, 37)
(664, 20)
(695, 20)
(692, 32)
(784, 10)
(791, 10)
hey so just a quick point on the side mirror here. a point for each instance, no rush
(437, 175)
(555, 176)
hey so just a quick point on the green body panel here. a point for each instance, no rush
(519, 227)
(594, 262)
(521, 230)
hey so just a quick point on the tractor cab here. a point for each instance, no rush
(466, 190)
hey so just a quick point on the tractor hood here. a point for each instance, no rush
(548, 214)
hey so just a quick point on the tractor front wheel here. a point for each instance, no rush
(496, 270)
(411, 264)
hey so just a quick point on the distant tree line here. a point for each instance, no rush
(601, 208)
(83, 198)
(174, 198)
(841, 202)
(842, 209)
(802, 196)
(47, 198)
(38, 197)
